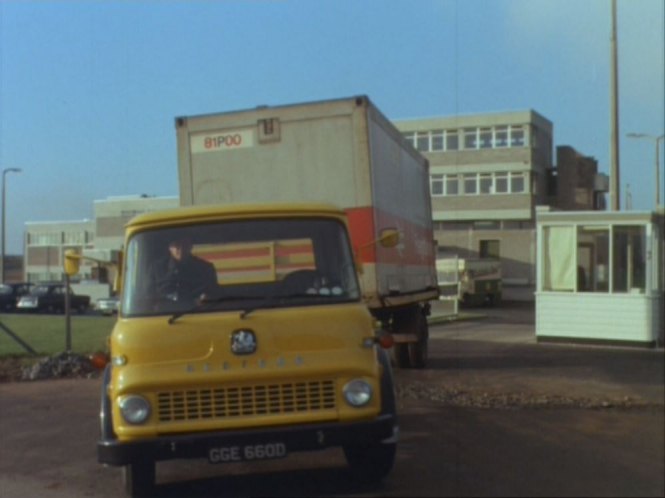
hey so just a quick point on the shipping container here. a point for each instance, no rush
(343, 152)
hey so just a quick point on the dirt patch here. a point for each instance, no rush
(491, 399)
(60, 366)
(11, 367)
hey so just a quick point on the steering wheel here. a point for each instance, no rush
(300, 281)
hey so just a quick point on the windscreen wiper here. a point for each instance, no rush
(205, 302)
(265, 301)
(279, 298)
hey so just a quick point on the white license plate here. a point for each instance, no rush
(266, 451)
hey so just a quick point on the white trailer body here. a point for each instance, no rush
(343, 152)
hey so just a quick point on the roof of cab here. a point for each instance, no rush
(216, 211)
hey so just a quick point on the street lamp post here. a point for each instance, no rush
(657, 141)
(2, 229)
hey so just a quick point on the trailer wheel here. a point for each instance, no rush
(139, 479)
(418, 351)
(414, 354)
(401, 355)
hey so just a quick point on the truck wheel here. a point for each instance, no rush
(139, 479)
(373, 462)
(418, 351)
(401, 355)
(412, 354)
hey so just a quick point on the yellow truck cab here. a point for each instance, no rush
(277, 354)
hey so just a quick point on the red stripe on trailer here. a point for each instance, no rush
(415, 248)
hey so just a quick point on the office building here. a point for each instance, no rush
(488, 172)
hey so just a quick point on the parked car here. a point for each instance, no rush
(51, 298)
(10, 293)
(108, 305)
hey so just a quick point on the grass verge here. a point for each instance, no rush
(46, 334)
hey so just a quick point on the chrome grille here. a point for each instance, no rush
(229, 402)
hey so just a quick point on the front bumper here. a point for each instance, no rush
(295, 438)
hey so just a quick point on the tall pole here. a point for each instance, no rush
(2, 229)
(615, 183)
(657, 141)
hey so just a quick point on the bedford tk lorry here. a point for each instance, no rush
(277, 354)
(343, 152)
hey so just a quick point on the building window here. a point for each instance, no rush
(517, 183)
(74, 238)
(422, 141)
(486, 138)
(485, 184)
(471, 184)
(501, 183)
(45, 239)
(490, 249)
(629, 259)
(437, 140)
(479, 183)
(470, 138)
(558, 259)
(593, 248)
(44, 276)
(452, 185)
(487, 225)
(452, 140)
(436, 184)
(587, 266)
(501, 136)
(517, 136)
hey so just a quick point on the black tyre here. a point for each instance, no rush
(419, 351)
(105, 417)
(401, 355)
(139, 479)
(411, 321)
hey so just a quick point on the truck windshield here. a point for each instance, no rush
(238, 265)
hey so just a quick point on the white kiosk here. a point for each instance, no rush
(600, 277)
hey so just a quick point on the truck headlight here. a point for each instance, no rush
(357, 393)
(135, 409)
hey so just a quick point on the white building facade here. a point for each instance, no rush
(488, 172)
(99, 238)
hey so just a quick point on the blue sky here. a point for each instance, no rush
(89, 90)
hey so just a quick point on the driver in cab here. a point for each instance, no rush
(183, 276)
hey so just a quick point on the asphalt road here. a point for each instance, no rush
(494, 415)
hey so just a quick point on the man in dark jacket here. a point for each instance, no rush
(183, 276)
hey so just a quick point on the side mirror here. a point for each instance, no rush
(72, 262)
(389, 237)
